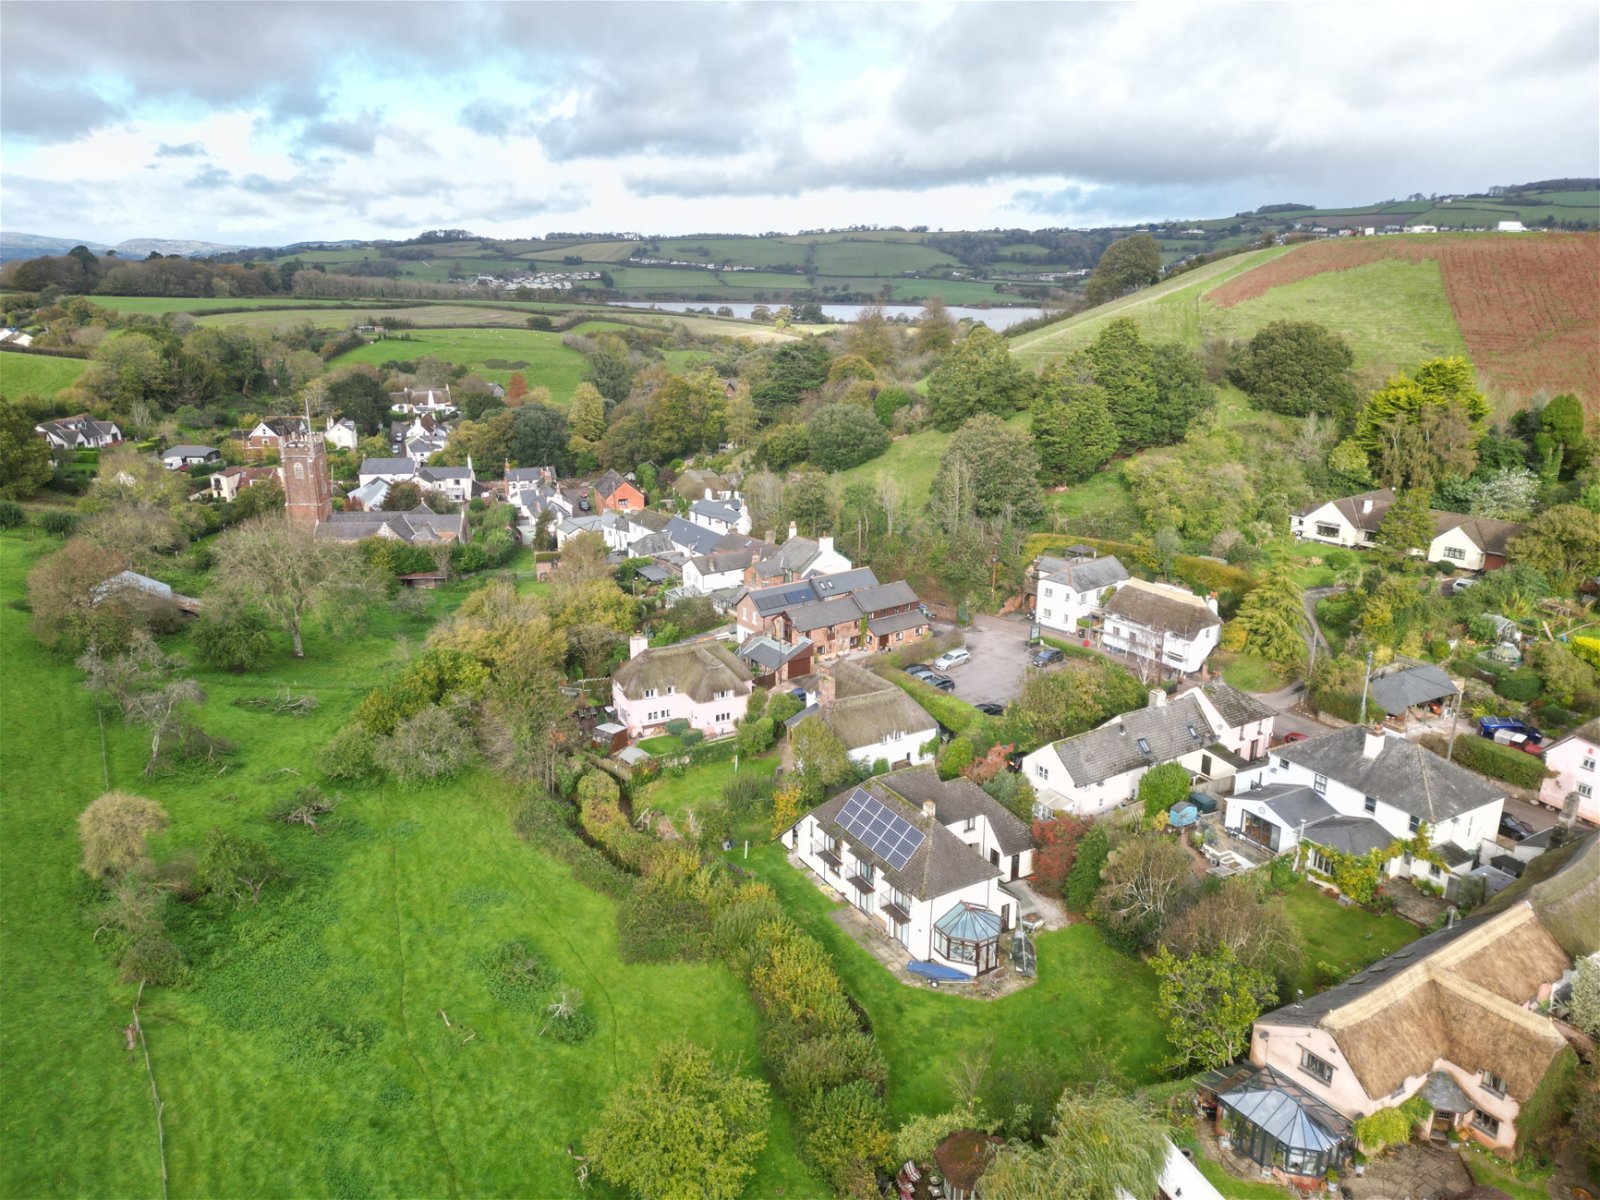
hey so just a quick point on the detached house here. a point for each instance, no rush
(1069, 589)
(925, 861)
(1170, 628)
(876, 721)
(1358, 791)
(179, 458)
(1351, 521)
(720, 516)
(1212, 732)
(269, 432)
(698, 682)
(81, 432)
(1470, 543)
(613, 492)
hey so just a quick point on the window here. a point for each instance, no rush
(1327, 531)
(1317, 861)
(1320, 783)
(1587, 764)
(1492, 1083)
(671, 690)
(723, 718)
(1414, 824)
(1482, 1120)
(1433, 869)
(1315, 1067)
(1371, 535)
(1370, 804)
(1456, 553)
(969, 825)
(1284, 763)
(299, 470)
(1042, 771)
(1585, 790)
(722, 695)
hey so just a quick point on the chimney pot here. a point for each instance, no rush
(709, 496)
(1373, 746)
(637, 645)
(825, 688)
(1157, 698)
(929, 810)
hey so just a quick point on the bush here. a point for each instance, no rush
(1083, 880)
(431, 746)
(755, 736)
(691, 738)
(235, 638)
(748, 792)
(677, 727)
(781, 707)
(1494, 760)
(653, 926)
(956, 758)
(516, 976)
(847, 1138)
(844, 436)
(350, 755)
(58, 523)
(1521, 685)
(11, 514)
(1162, 787)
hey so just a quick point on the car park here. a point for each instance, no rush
(1515, 828)
(1045, 655)
(952, 658)
(989, 709)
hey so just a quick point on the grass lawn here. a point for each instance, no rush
(156, 305)
(1312, 569)
(307, 1054)
(1087, 995)
(1489, 1171)
(666, 743)
(675, 795)
(1344, 936)
(546, 362)
(1250, 672)
(37, 374)
(426, 315)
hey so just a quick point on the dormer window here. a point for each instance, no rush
(1492, 1083)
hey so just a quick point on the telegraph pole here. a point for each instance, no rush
(1365, 683)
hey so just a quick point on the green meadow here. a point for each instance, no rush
(547, 362)
(37, 374)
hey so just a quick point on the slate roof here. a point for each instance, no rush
(190, 452)
(420, 525)
(387, 466)
(719, 561)
(1399, 690)
(843, 581)
(439, 474)
(793, 556)
(897, 622)
(717, 510)
(283, 425)
(775, 599)
(1350, 508)
(697, 669)
(1487, 533)
(79, 428)
(1169, 610)
(1349, 835)
(608, 484)
(769, 653)
(837, 611)
(884, 595)
(1416, 781)
(529, 474)
(1291, 803)
(943, 863)
(956, 800)
(1237, 708)
(1087, 575)
(692, 538)
(1113, 749)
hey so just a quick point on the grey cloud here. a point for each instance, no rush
(497, 119)
(565, 199)
(31, 109)
(183, 150)
(355, 136)
(209, 179)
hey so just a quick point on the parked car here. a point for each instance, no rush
(1293, 737)
(1461, 585)
(1515, 828)
(943, 682)
(990, 709)
(920, 670)
(1492, 727)
(1045, 655)
(951, 658)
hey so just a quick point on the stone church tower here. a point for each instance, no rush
(307, 486)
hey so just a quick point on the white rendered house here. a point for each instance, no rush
(1070, 589)
(1170, 628)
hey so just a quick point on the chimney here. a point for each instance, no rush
(709, 496)
(1122, 727)
(637, 645)
(1158, 698)
(772, 537)
(825, 688)
(825, 544)
(1211, 602)
(929, 811)
(1373, 746)
(793, 530)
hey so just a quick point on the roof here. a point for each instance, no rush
(609, 483)
(1292, 804)
(957, 799)
(530, 474)
(942, 863)
(1088, 575)
(371, 495)
(1349, 835)
(696, 539)
(1287, 1112)
(1169, 731)
(1454, 855)
(387, 466)
(964, 1156)
(190, 452)
(867, 710)
(1350, 507)
(1487, 533)
(969, 923)
(793, 556)
(718, 510)
(1399, 690)
(419, 525)
(124, 580)
(874, 599)
(1589, 731)
(1237, 708)
(1458, 994)
(698, 669)
(768, 653)
(1155, 606)
(838, 611)
(912, 618)
(441, 473)
(1563, 885)
(837, 582)
(1416, 781)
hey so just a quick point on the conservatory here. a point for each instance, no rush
(969, 934)
(1282, 1127)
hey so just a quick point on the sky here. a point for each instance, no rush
(269, 123)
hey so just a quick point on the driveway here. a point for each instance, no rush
(999, 661)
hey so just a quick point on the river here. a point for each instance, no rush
(994, 318)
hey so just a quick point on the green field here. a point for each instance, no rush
(868, 257)
(156, 305)
(549, 363)
(1087, 996)
(1392, 313)
(307, 1055)
(37, 374)
(744, 251)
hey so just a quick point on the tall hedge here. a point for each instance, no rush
(1492, 759)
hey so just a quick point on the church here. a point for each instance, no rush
(308, 500)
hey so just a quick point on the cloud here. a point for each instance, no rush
(210, 179)
(497, 119)
(355, 136)
(184, 150)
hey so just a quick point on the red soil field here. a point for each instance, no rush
(1527, 304)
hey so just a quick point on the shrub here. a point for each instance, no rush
(956, 758)
(748, 792)
(1492, 759)
(677, 727)
(1161, 788)
(431, 746)
(754, 736)
(350, 755)
(814, 1065)
(691, 737)
(11, 514)
(847, 1138)
(1057, 840)
(58, 523)
(114, 829)
(781, 707)
(1521, 685)
(654, 926)
(516, 976)
(236, 638)
(1083, 880)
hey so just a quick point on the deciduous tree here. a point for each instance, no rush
(1104, 1144)
(1209, 1002)
(25, 465)
(987, 470)
(114, 830)
(1126, 265)
(288, 572)
(844, 436)
(818, 751)
(1563, 542)
(1146, 880)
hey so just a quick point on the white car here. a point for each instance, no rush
(951, 658)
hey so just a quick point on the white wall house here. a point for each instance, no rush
(1348, 521)
(343, 434)
(1212, 732)
(874, 719)
(698, 682)
(1356, 791)
(179, 457)
(453, 483)
(923, 861)
(721, 569)
(1470, 543)
(1575, 759)
(1170, 628)
(1069, 589)
(722, 516)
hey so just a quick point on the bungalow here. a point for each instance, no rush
(1470, 543)
(1351, 521)
(81, 432)
(1573, 760)
(179, 458)
(924, 861)
(612, 491)
(423, 400)
(1069, 589)
(1211, 731)
(1170, 628)
(269, 432)
(876, 721)
(698, 682)
(1358, 791)
(1453, 1016)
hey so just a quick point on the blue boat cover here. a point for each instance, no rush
(933, 970)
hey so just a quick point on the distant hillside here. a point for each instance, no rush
(16, 246)
(1525, 308)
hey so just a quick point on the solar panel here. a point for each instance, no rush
(797, 597)
(881, 830)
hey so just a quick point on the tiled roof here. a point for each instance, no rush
(1237, 708)
(1416, 781)
(1091, 575)
(941, 864)
(956, 800)
(1170, 731)
(1397, 691)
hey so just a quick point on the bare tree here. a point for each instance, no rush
(114, 829)
(290, 573)
(162, 710)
